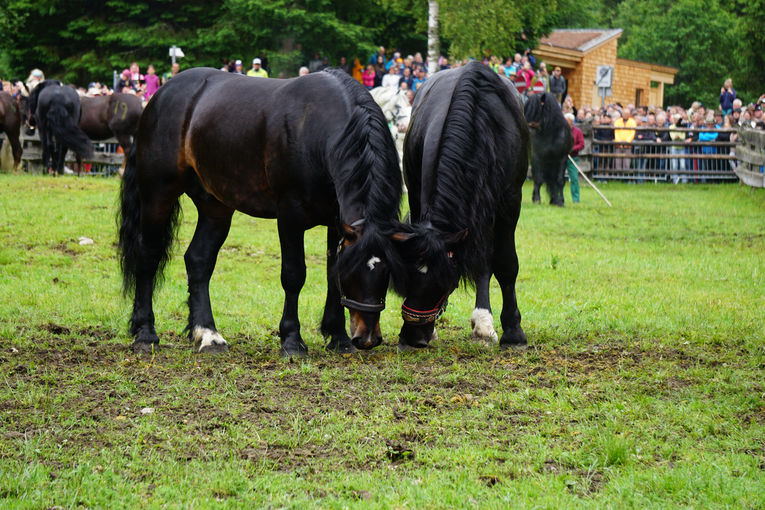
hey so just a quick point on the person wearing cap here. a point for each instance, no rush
(238, 67)
(558, 85)
(257, 71)
(35, 77)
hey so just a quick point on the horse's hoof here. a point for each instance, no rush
(481, 322)
(144, 347)
(292, 348)
(208, 340)
(213, 349)
(513, 339)
(340, 346)
(404, 347)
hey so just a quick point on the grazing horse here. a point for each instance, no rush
(114, 115)
(10, 124)
(465, 161)
(313, 150)
(55, 110)
(551, 142)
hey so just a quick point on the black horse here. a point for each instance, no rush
(308, 151)
(465, 161)
(10, 124)
(115, 115)
(551, 142)
(55, 110)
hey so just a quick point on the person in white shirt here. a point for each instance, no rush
(392, 78)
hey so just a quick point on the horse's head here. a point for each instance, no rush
(535, 109)
(364, 264)
(432, 274)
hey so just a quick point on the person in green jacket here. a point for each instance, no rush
(256, 70)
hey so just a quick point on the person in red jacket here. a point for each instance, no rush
(573, 177)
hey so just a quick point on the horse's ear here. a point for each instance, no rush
(456, 237)
(401, 237)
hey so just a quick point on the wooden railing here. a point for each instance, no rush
(105, 160)
(750, 153)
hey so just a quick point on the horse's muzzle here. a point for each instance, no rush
(363, 336)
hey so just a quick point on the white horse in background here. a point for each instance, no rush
(395, 105)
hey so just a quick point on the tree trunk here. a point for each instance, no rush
(433, 46)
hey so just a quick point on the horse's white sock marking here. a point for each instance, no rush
(371, 262)
(206, 338)
(483, 325)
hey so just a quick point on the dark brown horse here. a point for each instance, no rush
(308, 151)
(115, 116)
(10, 124)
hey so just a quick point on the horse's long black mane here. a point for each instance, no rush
(370, 176)
(471, 174)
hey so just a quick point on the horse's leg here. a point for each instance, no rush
(536, 176)
(333, 322)
(158, 211)
(506, 271)
(291, 239)
(46, 150)
(16, 149)
(61, 158)
(481, 320)
(212, 229)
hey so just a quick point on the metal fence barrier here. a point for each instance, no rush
(678, 161)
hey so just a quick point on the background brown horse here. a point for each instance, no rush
(115, 116)
(10, 124)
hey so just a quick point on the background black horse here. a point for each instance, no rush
(55, 111)
(10, 124)
(465, 161)
(307, 151)
(551, 144)
(115, 115)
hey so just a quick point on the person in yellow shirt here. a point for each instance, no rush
(257, 70)
(623, 135)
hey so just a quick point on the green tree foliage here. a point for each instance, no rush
(83, 40)
(750, 78)
(79, 40)
(696, 36)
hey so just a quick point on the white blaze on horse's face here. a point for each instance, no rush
(423, 269)
(372, 262)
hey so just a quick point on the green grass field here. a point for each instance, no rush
(643, 384)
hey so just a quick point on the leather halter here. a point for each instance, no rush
(421, 317)
(352, 304)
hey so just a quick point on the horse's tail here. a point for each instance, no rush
(63, 127)
(129, 219)
(131, 245)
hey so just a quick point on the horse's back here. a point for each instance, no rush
(249, 140)
(460, 117)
